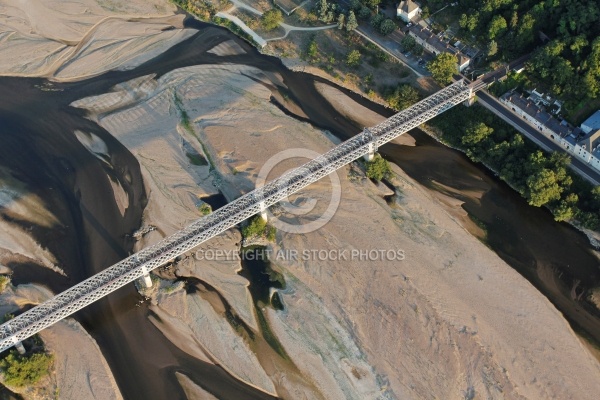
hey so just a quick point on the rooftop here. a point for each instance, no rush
(543, 117)
(592, 123)
(434, 41)
(407, 6)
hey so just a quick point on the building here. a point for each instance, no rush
(435, 45)
(407, 10)
(583, 145)
(592, 123)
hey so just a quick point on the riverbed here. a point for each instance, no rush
(43, 153)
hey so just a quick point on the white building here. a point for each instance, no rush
(584, 146)
(407, 10)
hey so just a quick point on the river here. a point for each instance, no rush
(38, 147)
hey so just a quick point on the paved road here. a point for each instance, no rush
(494, 105)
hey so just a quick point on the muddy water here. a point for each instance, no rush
(38, 147)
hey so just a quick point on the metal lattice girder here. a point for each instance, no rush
(134, 266)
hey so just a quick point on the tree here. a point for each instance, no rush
(476, 133)
(353, 58)
(566, 208)
(443, 67)
(492, 48)
(325, 11)
(258, 227)
(542, 188)
(496, 27)
(418, 50)
(355, 5)
(402, 97)
(378, 168)
(25, 370)
(408, 43)
(469, 22)
(364, 13)
(376, 21)
(312, 49)
(371, 3)
(271, 19)
(341, 21)
(351, 24)
(322, 7)
(387, 26)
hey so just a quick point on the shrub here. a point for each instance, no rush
(378, 168)
(312, 49)
(205, 209)
(258, 227)
(353, 58)
(4, 280)
(25, 370)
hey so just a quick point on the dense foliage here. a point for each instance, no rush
(402, 96)
(378, 168)
(543, 179)
(22, 370)
(568, 65)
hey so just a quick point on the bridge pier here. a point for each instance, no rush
(471, 100)
(19, 346)
(263, 210)
(146, 280)
(371, 154)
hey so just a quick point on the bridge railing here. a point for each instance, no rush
(136, 265)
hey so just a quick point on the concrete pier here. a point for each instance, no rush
(263, 210)
(371, 154)
(469, 102)
(146, 280)
(19, 346)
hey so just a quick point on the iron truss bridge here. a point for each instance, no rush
(140, 264)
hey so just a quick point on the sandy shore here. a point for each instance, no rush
(67, 41)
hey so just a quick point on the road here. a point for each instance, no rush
(494, 105)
